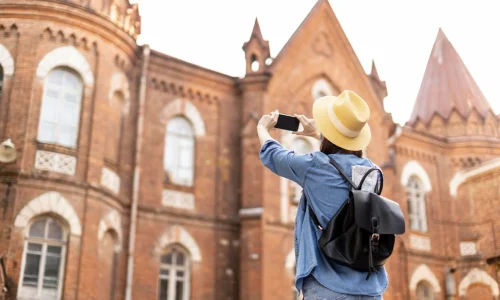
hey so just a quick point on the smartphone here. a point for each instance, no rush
(287, 122)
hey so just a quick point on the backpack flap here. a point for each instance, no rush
(372, 210)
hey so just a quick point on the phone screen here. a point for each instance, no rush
(287, 122)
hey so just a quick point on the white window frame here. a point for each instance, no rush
(172, 277)
(416, 205)
(60, 102)
(173, 177)
(45, 243)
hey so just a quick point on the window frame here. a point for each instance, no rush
(168, 177)
(80, 110)
(418, 202)
(45, 243)
(172, 269)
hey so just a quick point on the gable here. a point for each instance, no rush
(319, 48)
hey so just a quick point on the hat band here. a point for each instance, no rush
(338, 125)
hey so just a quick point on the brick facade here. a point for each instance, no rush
(120, 213)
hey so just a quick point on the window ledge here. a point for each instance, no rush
(56, 148)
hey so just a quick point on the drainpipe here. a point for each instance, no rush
(137, 173)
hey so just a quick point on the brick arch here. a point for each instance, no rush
(111, 221)
(119, 83)
(414, 168)
(186, 109)
(51, 202)
(178, 235)
(423, 273)
(67, 56)
(461, 177)
(477, 276)
(6, 61)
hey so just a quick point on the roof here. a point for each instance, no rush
(447, 86)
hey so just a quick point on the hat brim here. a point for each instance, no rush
(325, 126)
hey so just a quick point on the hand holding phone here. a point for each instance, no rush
(287, 122)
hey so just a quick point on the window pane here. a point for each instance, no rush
(37, 229)
(180, 259)
(55, 77)
(51, 274)
(180, 274)
(166, 259)
(69, 114)
(67, 136)
(31, 269)
(47, 132)
(163, 289)
(49, 106)
(55, 231)
(54, 250)
(179, 290)
(34, 247)
(164, 272)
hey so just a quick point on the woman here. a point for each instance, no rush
(342, 122)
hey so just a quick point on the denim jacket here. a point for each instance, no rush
(326, 190)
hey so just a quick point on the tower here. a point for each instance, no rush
(256, 51)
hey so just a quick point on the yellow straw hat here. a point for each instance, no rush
(343, 120)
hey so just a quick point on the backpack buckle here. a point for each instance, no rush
(375, 237)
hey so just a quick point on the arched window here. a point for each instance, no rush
(174, 275)
(60, 111)
(108, 257)
(178, 160)
(319, 94)
(43, 260)
(300, 146)
(416, 204)
(424, 291)
(114, 130)
(1, 81)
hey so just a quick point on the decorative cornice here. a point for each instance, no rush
(181, 90)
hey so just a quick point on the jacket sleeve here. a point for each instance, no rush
(285, 163)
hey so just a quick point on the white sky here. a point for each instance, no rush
(398, 34)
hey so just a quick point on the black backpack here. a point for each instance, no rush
(361, 235)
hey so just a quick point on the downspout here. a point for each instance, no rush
(135, 192)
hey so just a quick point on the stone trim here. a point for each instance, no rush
(119, 83)
(414, 168)
(477, 276)
(178, 235)
(55, 162)
(186, 109)
(6, 61)
(462, 176)
(421, 243)
(110, 180)
(51, 202)
(178, 199)
(111, 221)
(67, 56)
(424, 273)
(251, 212)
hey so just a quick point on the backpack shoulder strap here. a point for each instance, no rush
(341, 171)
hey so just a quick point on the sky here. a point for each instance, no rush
(397, 34)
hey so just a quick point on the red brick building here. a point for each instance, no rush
(133, 182)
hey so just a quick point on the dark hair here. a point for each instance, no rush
(328, 147)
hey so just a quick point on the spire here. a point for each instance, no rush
(256, 51)
(374, 72)
(447, 85)
(256, 33)
(379, 85)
